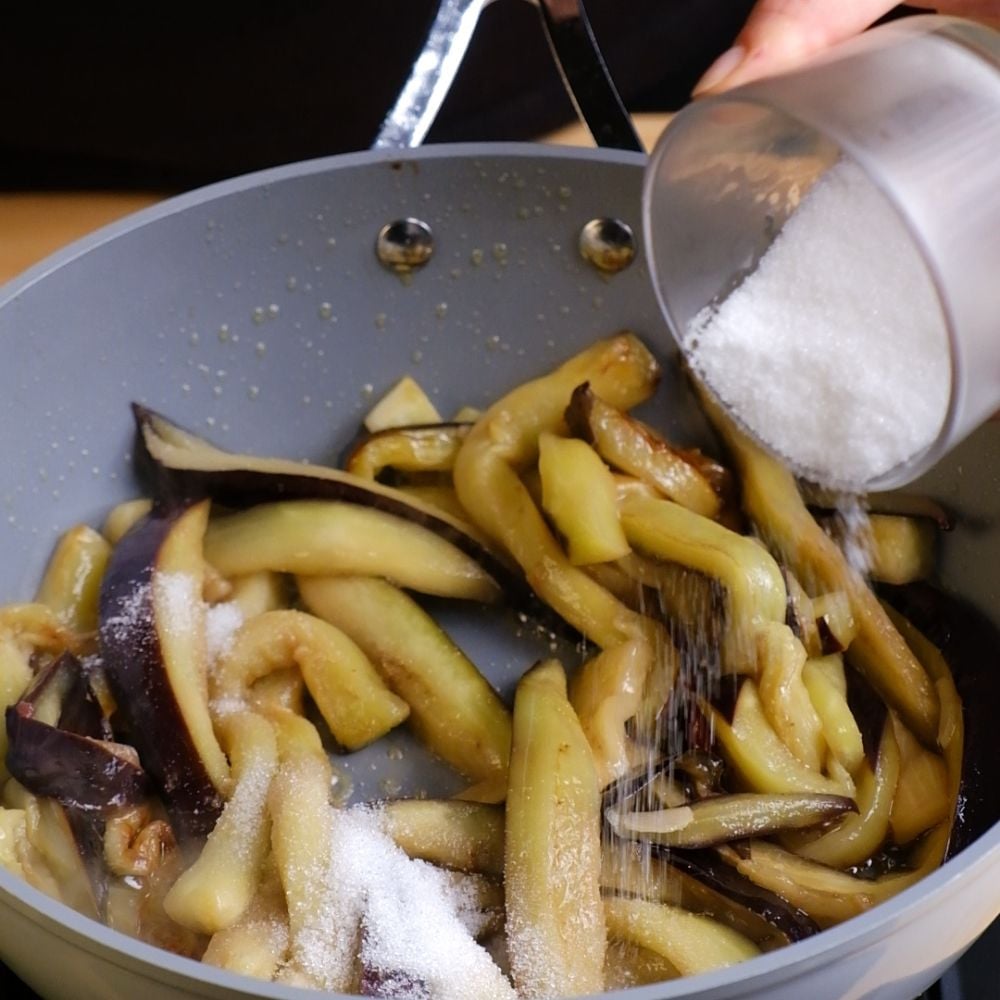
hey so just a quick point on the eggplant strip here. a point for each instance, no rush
(504, 441)
(827, 895)
(570, 470)
(351, 696)
(320, 537)
(415, 448)
(857, 837)
(691, 942)
(753, 583)
(184, 466)
(215, 891)
(257, 943)
(153, 646)
(464, 836)
(722, 818)
(699, 881)
(785, 697)
(829, 699)
(555, 918)
(72, 580)
(606, 692)
(303, 840)
(772, 500)
(627, 965)
(453, 709)
(760, 759)
(633, 447)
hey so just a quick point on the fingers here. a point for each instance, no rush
(781, 34)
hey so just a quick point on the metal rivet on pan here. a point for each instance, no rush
(404, 244)
(608, 244)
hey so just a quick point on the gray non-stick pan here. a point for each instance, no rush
(257, 312)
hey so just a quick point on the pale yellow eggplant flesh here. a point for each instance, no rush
(700, 882)
(320, 537)
(552, 857)
(751, 578)
(569, 470)
(692, 942)
(72, 580)
(465, 836)
(354, 701)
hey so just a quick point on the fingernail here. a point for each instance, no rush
(723, 67)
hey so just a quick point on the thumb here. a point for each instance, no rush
(781, 34)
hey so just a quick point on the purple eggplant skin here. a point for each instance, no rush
(704, 865)
(238, 484)
(391, 985)
(74, 762)
(133, 660)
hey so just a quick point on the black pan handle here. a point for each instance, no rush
(586, 75)
(574, 48)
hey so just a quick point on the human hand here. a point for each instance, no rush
(781, 34)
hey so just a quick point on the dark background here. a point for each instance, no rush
(157, 96)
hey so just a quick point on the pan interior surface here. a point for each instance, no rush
(257, 314)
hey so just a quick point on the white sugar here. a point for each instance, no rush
(178, 598)
(222, 622)
(833, 351)
(413, 919)
(133, 609)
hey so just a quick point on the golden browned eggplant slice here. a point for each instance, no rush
(453, 709)
(752, 580)
(72, 581)
(631, 446)
(353, 699)
(415, 448)
(216, 890)
(579, 495)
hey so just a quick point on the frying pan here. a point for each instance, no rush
(256, 312)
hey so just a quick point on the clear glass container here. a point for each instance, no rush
(915, 104)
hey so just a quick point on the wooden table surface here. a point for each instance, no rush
(34, 224)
